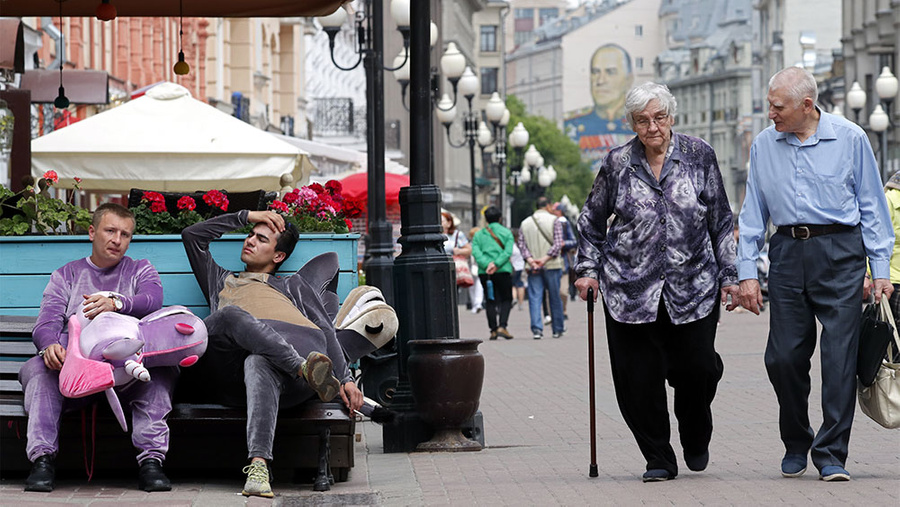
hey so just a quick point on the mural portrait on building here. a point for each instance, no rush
(598, 128)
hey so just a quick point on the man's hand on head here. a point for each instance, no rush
(352, 396)
(274, 220)
(54, 356)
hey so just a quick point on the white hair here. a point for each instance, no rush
(798, 82)
(639, 96)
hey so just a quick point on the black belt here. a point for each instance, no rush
(811, 231)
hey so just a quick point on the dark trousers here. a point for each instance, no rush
(643, 357)
(819, 278)
(497, 309)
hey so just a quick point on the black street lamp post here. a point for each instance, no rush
(496, 113)
(423, 274)
(446, 113)
(518, 139)
(370, 42)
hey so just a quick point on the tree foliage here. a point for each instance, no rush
(574, 177)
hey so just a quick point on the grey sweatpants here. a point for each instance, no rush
(257, 362)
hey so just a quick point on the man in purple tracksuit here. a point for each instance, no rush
(74, 288)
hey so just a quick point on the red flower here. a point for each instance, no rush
(317, 188)
(157, 206)
(334, 187)
(280, 206)
(186, 202)
(292, 197)
(51, 176)
(153, 197)
(349, 224)
(217, 199)
(77, 180)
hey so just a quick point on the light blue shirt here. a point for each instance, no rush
(831, 178)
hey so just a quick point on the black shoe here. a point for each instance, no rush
(657, 475)
(151, 476)
(43, 472)
(696, 462)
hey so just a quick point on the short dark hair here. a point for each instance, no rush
(111, 207)
(287, 240)
(542, 202)
(492, 214)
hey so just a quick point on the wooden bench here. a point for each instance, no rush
(205, 436)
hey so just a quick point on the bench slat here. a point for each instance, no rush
(17, 348)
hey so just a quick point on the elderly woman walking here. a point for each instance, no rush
(662, 266)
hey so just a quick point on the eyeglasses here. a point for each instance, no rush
(658, 120)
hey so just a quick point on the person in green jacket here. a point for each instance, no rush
(491, 247)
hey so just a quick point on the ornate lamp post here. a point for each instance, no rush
(856, 99)
(446, 112)
(496, 113)
(518, 139)
(886, 87)
(879, 123)
(370, 43)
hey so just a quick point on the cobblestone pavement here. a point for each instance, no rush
(535, 407)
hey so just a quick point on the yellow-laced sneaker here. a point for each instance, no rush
(257, 480)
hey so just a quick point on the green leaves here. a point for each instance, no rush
(149, 222)
(41, 214)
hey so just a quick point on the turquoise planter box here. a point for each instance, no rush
(26, 263)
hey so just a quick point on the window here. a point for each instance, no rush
(639, 62)
(547, 14)
(524, 26)
(523, 37)
(489, 80)
(638, 30)
(489, 38)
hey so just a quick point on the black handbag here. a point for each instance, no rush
(876, 329)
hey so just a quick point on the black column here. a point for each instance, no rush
(379, 246)
(423, 274)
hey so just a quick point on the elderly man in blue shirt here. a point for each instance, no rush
(814, 175)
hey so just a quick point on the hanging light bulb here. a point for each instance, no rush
(105, 11)
(61, 101)
(181, 67)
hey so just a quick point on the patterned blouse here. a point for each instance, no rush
(670, 238)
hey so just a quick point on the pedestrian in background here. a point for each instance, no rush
(892, 193)
(541, 241)
(456, 243)
(476, 291)
(518, 265)
(815, 176)
(662, 267)
(492, 248)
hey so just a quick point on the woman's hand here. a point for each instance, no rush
(584, 283)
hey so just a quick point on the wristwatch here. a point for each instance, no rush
(117, 303)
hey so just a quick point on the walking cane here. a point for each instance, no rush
(590, 311)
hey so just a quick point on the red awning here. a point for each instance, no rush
(355, 187)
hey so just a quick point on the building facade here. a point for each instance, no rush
(580, 66)
(708, 68)
(871, 42)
